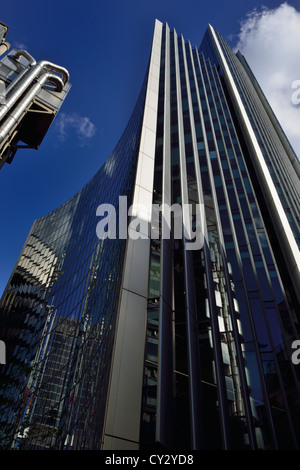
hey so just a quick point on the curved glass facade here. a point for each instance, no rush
(58, 314)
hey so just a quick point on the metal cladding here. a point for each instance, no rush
(180, 342)
(4, 45)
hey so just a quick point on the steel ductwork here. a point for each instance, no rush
(32, 62)
(27, 79)
(17, 113)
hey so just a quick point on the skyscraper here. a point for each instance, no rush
(121, 342)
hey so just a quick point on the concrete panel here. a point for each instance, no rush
(127, 376)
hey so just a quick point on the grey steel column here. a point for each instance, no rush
(164, 423)
(221, 384)
(190, 301)
(240, 360)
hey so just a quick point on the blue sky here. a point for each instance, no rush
(105, 45)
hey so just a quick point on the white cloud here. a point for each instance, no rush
(270, 41)
(20, 45)
(83, 127)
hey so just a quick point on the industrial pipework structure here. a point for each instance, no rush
(31, 94)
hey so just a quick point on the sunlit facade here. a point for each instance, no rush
(130, 342)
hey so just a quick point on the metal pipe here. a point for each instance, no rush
(29, 78)
(10, 122)
(4, 46)
(23, 53)
(55, 68)
(32, 63)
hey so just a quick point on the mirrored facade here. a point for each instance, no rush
(129, 342)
